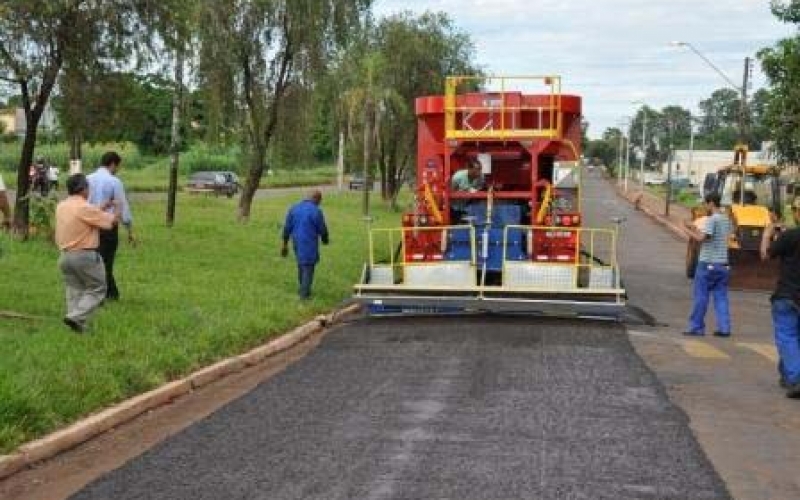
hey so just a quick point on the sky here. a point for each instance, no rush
(615, 52)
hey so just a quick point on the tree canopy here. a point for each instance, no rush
(41, 38)
(780, 108)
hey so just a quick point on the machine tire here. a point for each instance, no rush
(692, 251)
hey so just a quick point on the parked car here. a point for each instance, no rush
(357, 182)
(652, 179)
(217, 182)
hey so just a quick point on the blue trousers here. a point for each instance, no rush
(305, 277)
(710, 280)
(786, 325)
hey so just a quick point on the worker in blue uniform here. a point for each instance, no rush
(305, 225)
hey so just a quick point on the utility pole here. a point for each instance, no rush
(619, 158)
(628, 157)
(644, 146)
(668, 197)
(740, 152)
(691, 146)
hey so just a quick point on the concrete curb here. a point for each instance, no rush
(635, 201)
(94, 425)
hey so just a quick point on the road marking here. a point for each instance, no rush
(766, 350)
(655, 336)
(698, 349)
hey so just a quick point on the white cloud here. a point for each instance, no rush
(614, 51)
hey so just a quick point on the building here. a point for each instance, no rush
(8, 119)
(695, 164)
(13, 120)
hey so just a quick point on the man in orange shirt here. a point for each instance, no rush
(77, 225)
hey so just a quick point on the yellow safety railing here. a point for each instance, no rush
(594, 265)
(392, 249)
(501, 119)
(592, 269)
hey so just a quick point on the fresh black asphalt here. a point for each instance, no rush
(476, 407)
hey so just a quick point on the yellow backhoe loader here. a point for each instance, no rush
(750, 194)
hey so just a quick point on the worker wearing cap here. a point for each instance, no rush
(777, 242)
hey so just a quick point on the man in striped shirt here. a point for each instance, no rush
(713, 272)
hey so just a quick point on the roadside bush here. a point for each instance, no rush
(58, 155)
(42, 216)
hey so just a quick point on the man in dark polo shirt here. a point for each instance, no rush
(784, 244)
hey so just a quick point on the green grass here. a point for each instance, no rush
(685, 197)
(206, 289)
(58, 154)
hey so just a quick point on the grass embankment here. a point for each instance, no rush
(688, 198)
(206, 289)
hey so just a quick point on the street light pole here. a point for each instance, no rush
(740, 160)
(619, 159)
(628, 158)
(707, 61)
(623, 140)
(644, 146)
(691, 146)
(668, 197)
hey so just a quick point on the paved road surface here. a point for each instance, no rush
(477, 408)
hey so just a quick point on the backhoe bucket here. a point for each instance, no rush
(749, 272)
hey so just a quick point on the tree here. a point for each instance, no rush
(721, 109)
(401, 58)
(781, 65)
(119, 106)
(759, 127)
(653, 120)
(39, 38)
(786, 11)
(254, 50)
(601, 151)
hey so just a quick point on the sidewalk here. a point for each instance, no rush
(655, 207)
(728, 387)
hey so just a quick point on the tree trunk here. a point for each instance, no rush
(22, 205)
(368, 181)
(176, 137)
(340, 162)
(260, 132)
(254, 174)
(75, 153)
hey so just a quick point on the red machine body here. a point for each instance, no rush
(525, 137)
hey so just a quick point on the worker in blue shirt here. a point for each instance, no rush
(305, 225)
(106, 190)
